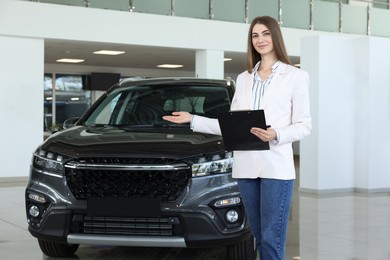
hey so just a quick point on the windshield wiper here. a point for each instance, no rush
(170, 125)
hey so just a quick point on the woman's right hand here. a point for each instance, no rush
(179, 117)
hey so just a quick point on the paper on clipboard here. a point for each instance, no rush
(235, 127)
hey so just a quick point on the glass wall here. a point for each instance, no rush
(193, 9)
(222, 10)
(380, 19)
(290, 17)
(151, 6)
(69, 98)
(64, 2)
(325, 16)
(382, 4)
(352, 19)
(262, 7)
(367, 17)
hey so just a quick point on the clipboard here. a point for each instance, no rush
(235, 127)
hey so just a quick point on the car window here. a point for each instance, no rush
(104, 116)
(145, 105)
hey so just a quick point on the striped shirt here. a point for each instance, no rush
(260, 86)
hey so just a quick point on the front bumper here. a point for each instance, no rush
(191, 221)
(196, 230)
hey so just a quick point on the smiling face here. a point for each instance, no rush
(265, 41)
(262, 40)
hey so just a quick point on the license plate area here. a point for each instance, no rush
(124, 207)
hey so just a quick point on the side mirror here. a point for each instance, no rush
(68, 123)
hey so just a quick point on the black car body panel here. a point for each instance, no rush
(87, 141)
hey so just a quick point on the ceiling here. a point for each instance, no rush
(139, 57)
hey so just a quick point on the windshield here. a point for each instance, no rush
(145, 105)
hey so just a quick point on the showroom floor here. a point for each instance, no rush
(331, 227)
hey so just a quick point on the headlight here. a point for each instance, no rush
(48, 162)
(216, 164)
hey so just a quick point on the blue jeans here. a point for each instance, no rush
(267, 205)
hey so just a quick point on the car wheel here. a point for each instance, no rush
(245, 250)
(57, 250)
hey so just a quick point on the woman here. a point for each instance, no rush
(266, 178)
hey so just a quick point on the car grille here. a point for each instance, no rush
(168, 226)
(127, 178)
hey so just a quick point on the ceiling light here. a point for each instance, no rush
(170, 66)
(70, 60)
(227, 59)
(108, 52)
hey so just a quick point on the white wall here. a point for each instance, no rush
(98, 25)
(131, 72)
(21, 101)
(350, 103)
(51, 21)
(209, 64)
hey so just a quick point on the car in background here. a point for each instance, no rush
(120, 175)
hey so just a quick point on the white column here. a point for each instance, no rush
(349, 148)
(21, 99)
(372, 138)
(209, 64)
(327, 155)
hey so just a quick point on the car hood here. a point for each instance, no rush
(175, 143)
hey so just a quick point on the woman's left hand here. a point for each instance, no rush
(264, 135)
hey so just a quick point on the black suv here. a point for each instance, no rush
(121, 175)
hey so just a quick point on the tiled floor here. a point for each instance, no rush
(332, 227)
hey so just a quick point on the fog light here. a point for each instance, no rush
(37, 198)
(231, 216)
(34, 211)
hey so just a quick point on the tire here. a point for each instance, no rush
(245, 250)
(57, 250)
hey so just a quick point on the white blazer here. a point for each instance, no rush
(287, 108)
